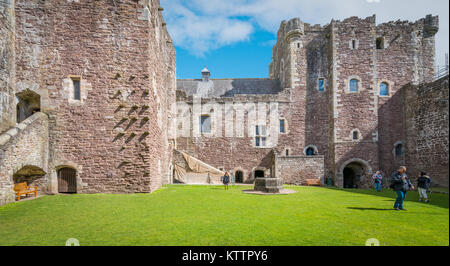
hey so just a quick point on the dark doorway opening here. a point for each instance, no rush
(259, 174)
(67, 180)
(354, 173)
(349, 177)
(29, 103)
(239, 177)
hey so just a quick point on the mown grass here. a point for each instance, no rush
(202, 215)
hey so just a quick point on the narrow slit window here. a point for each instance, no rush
(76, 89)
(321, 84)
(282, 126)
(355, 135)
(353, 44)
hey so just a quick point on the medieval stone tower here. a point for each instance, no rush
(87, 95)
(340, 92)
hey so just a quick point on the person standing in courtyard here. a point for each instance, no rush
(401, 185)
(423, 184)
(377, 179)
(226, 180)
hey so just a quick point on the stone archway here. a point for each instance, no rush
(354, 173)
(28, 103)
(32, 175)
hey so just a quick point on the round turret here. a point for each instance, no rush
(294, 29)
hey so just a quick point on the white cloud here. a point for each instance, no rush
(204, 25)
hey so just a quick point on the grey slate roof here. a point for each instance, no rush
(228, 87)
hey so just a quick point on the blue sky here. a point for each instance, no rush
(234, 38)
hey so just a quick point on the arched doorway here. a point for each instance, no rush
(239, 177)
(67, 180)
(353, 173)
(32, 175)
(28, 102)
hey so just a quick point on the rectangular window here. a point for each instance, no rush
(260, 139)
(282, 126)
(321, 84)
(353, 44)
(205, 124)
(353, 85)
(76, 89)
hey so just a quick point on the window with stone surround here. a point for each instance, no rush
(76, 88)
(205, 124)
(355, 135)
(260, 136)
(311, 150)
(384, 89)
(354, 44)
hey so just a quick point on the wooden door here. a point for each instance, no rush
(67, 180)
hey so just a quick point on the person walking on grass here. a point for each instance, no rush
(226, 180)
(401, 185)
(423, 184)
(377, 179)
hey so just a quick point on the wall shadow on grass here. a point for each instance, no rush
(440, 200)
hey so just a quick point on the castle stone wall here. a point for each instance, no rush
(426, 115)
(21, 147)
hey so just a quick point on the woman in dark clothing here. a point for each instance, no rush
(226, 180)
(401, 185)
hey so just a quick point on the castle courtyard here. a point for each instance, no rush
(180, 215)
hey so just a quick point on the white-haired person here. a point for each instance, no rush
(401, 185)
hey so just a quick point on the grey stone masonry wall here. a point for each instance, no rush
(24, 147)
(296, 169)
(7, 65)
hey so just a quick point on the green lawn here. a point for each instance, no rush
(201, 215)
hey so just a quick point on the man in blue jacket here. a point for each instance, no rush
(401, 185)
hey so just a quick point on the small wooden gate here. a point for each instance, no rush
(67, 180)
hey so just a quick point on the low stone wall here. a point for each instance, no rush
(24, 146)
(295, 170)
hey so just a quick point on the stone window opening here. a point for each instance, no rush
(287, 152)
(380, 43)
(282, 126)
(384, 89)
(260, 136)
(321, 84)
(355, 135)
(29, 103)
(205, 124)
(354, 44)
(76, 88)
(311, 150)
(398, 150)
